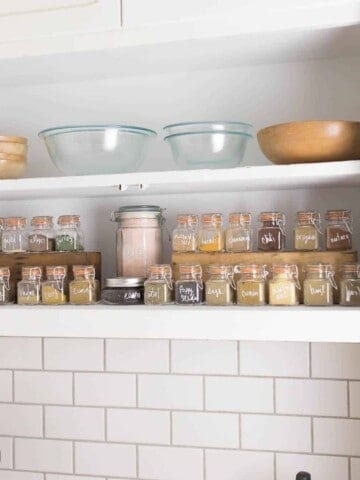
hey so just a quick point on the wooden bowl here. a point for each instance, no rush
(12, 166)
(311, 141)
(13, 145)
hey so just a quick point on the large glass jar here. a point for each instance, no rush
(350, 285)
(84, 289)
(184, 237)
(189, 289)
(339, 230)
(139, 239)
(54, 290)
(7, 291)
(284, 285)
(251, 284)
(238, 234)
(211, 235)
(307, 234)
(159, 285)
(14, 238)
(319, 284)
(69, 237)
(2, 225)
(220, 286)
(29, 288)
(42, 235)
(271, 235)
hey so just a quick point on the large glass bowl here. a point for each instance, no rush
(97, 149)
(208, 149)
(189, 127)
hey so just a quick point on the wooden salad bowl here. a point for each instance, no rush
(311, 141)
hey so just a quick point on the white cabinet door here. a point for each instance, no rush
(20, 19)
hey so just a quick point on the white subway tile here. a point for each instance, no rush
(231, 465)
(138, 426)
(337, 436)
(105, 389)
(355, 468)
(6, 453)
(52, 476)
(43, 455)
(5, 386)
(311, 397)
(320, 467)
(355, 399)
(336, 360)
(204, 356)
(274, 359)
(22, 353)
(206, 429)
(239, 394)
(270, 432)
(73, 354)
(21, 420)
(170, 463)
(21, 476)
(105, 459)
(123, 355)
(78, 423)
(170, 391)
(43, 387)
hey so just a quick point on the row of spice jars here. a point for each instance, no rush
(212, 237)
(42, 237)
(56, 289)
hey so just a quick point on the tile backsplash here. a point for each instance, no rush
(98, 409)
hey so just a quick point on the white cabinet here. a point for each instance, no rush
(20, 19)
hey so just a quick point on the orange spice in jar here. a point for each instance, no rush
(339, 230)
(14, 238)
(307, 234)
(211, 235)
(42, 235)
(184, 238)
(238, 235)
(271, 235)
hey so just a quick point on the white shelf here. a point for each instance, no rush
(333, 324)
(259, 178)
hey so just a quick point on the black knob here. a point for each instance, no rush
(303, 476)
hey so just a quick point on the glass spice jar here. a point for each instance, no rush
(189, 289)
(251, 284)
(2, 225)
(307, 233)
(85, 288)
(211, 235)
(220, 286)
(238, 234)
(350, 285)
(284, 285)
(159, 285)
(138, 239)
(123, 291)
(271, 235)
(318, 284)
(14, 238)
(54, 290)
(42, 235)
(339, 230)
(29, 288)
(184, 237)
(69, 237)
(7, 292)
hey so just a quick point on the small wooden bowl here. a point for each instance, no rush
(311, 141)
(13, 145)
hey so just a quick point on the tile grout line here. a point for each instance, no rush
(274, 396)
(204, 464)
(43, 421)
(240, 432)
(13, 453)
(42, 353)
(73, 456)
(106, 424)
(137, 459)
(349, 469)
(348, 399)
(104, 355)
(13, 386)
(203, 393)
(73, 387)
(136, 390)
(310, 360)
(171, 427)
(275, 466)
(238, 358)
(312, 434)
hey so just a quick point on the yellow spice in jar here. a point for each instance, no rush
(51, 295)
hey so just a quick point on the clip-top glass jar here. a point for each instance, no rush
(350, 285)
(211, 235)
(238, 234)
(2, 225)
(6, 290)
(251, 284)
(159, 285)
(69, 237)
(319, 284)
(284, 285)
(14, 238)
(271, 235)
(189, 289)
(54, 290)
(220, 286)
(85, 288)
(184, 238)
(138, 239)
(28, 289)
(307, 233)
(339, 230)
(42, 235)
